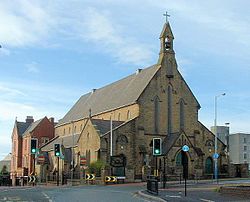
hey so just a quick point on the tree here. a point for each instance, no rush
(4, 170)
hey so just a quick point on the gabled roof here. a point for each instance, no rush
(67, 141)
(104, 125)
(22, 127)
(170, 140)
(120, 93)
(33, 126)
(7, 158)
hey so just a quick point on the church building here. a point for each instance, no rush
(122, 118)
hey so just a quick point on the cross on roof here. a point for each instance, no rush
(167, 15)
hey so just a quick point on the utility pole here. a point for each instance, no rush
(216, 138)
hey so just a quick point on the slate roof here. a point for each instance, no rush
(32, 126)
(169, 141)
(120, 93)
(104, 125)
(22, 127)
(66, 141)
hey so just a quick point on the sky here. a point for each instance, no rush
(55, 51)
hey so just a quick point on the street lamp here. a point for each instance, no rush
(72, 153)
(216, 138)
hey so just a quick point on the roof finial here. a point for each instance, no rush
(167, 15)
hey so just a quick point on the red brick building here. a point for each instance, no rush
(23, 132)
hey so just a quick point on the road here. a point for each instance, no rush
(202, 191)
(93, 193)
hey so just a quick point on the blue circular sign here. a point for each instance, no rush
(185, 148)
(216, 155)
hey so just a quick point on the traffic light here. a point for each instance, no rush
(33, 146)
(156, 146)
(57, 150)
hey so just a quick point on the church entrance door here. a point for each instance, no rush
(209, 165)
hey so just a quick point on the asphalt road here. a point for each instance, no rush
(202, 191)
(118, 193)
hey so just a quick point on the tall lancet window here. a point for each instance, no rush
(182, 115)
(156, 114)
(169, 98)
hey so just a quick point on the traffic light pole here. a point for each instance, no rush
(164, 172)
(34, 166)
(57, 176)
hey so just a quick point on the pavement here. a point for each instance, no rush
(205, 190)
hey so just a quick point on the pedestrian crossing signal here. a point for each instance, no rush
(157, 146)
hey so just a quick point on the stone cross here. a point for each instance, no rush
(167, 15)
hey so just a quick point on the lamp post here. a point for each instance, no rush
(72, 153)
(216, 138)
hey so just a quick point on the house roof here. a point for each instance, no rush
(120, 93)
(66, 141)
(104, 125)
(32, 126)
(22, 127)
(7, 158)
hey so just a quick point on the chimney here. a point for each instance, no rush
(138, 71)
(52, 120)
(29, 119)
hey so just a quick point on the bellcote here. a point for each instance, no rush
(166, 39)
(166, 56)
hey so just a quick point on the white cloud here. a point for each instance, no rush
(99, 28)
(33, 67)
(23, 22)
(6, 91)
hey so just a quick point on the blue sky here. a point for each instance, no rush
(55, 51)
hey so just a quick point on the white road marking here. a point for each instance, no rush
(173, 196)
(46, 196)
(206, 200)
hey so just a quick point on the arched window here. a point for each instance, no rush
(69, 130)
(182, 119)
(169, 98)
(178, 159)
(156, 114)
(119, 117)
(75, 130)
(64, 131)
(81, 127)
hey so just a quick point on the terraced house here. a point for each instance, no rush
(22, 162)
(152, 102)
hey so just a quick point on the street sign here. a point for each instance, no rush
(216, 155)
(32, 179)
(83, 161)
(40, 159)
(118, 161)
(110, 179)
(90, 176)
(185, 148)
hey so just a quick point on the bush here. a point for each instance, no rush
(4, 170)
(96, 167)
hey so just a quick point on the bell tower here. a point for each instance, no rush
(167, 54)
